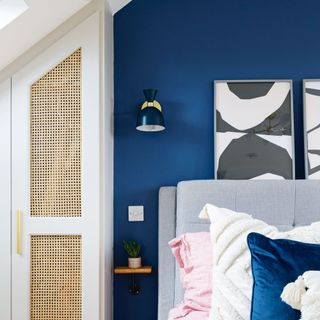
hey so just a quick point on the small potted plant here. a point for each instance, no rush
(133, 251)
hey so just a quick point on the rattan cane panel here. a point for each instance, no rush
(56, 286)
(55, 120)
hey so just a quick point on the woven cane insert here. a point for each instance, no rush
(55, 277)
(55, 134)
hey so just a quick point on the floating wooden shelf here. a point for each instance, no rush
(126, 270)
(134, 288)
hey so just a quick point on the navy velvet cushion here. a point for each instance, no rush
(275, 263)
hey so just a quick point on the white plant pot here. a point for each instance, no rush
(134, 263)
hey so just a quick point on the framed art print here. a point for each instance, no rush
(254, 136)
(311, 97)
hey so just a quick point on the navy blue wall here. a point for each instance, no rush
(180, 47)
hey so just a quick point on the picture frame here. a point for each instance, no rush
(311, 124)
(251, 143)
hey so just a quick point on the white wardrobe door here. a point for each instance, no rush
(55, 182)
(5, 203)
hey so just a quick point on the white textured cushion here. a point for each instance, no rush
(232, 278)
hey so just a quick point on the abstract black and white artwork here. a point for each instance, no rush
(312, 127)
(254, 130)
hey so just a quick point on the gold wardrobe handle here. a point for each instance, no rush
(19, 232)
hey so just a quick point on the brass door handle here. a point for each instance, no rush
(19, 251)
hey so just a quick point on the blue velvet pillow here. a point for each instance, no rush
(275, 263)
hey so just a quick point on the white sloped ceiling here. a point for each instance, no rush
(40, 18)
(116, 5)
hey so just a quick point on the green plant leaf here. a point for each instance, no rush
(131, 248)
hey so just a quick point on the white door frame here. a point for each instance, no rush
(87, 36)
(5, 203)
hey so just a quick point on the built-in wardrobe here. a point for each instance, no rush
(51, 177)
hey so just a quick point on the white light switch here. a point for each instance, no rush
(135, 213)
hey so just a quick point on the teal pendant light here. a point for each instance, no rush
(150, 117)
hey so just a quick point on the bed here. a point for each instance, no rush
(285, 204)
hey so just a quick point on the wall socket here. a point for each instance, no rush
(136, 213)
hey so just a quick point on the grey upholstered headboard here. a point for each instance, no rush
(281, 203)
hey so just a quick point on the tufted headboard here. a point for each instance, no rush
(282, 203)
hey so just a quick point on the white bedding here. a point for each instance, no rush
(232, 278)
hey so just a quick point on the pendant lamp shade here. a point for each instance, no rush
(150, 117)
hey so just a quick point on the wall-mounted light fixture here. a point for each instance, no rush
(150, 117)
